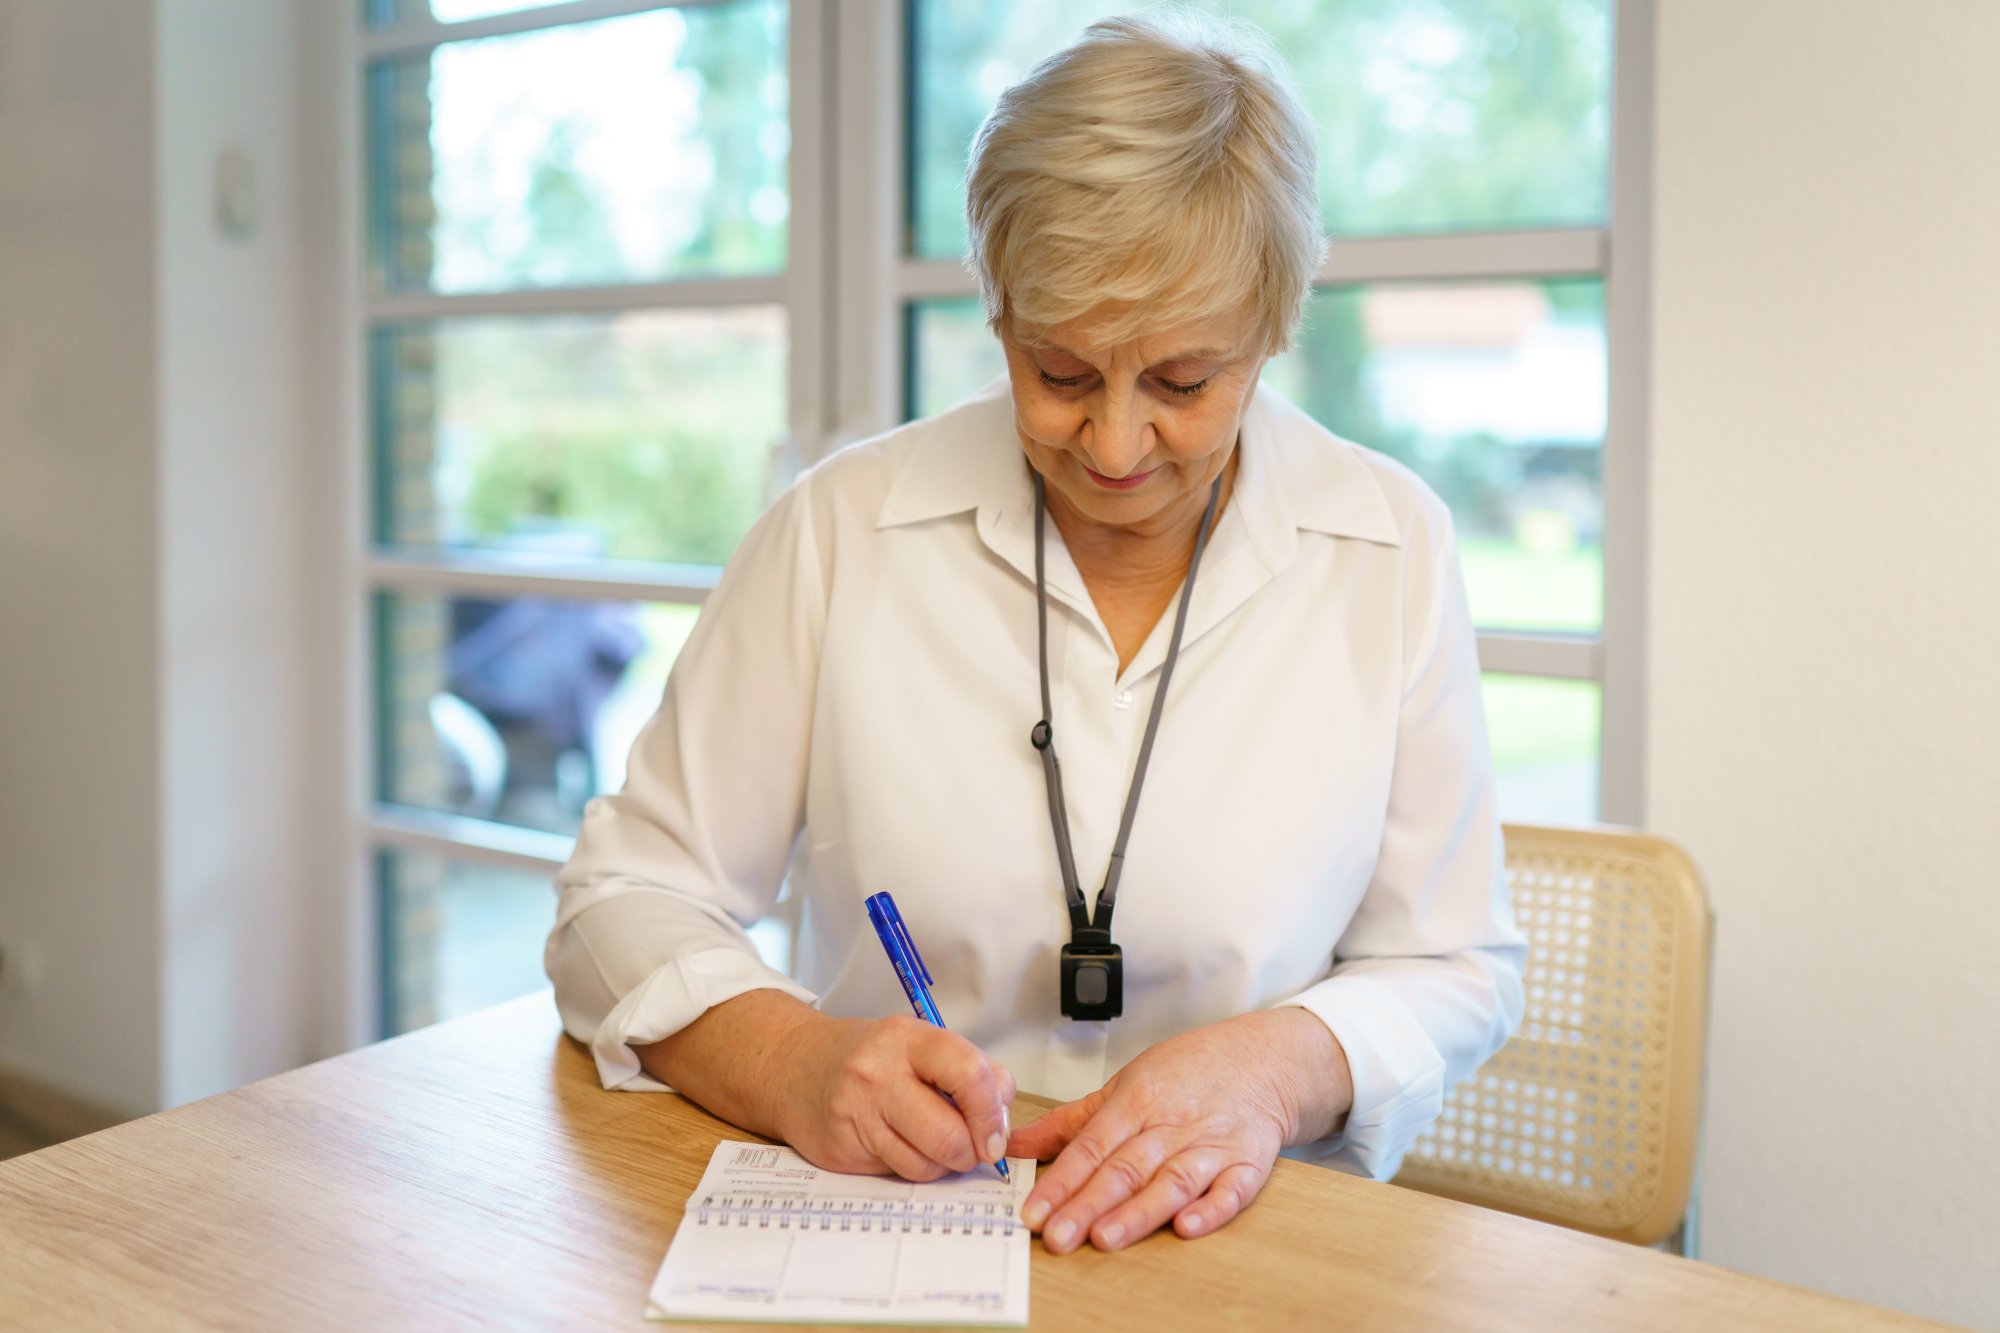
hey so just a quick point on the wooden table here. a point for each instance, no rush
(474, 1175)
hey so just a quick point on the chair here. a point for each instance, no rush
(1588, 1118)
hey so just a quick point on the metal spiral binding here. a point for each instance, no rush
(855, 1215)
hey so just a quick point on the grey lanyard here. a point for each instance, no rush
(1083, 928)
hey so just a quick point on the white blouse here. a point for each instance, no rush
(1317, 826)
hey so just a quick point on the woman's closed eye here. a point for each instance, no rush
(1176, 387)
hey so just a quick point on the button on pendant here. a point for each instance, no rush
(1122, 699)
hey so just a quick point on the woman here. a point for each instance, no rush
(1315, 936)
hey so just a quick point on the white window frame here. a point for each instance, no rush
(845, 286)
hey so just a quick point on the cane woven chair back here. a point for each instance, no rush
(1588, 1117)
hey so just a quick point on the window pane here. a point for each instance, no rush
(383, 13)
(1545, 746)
(516, 710)
(631, 149)
(457, 11)
(458, 936)
(1433, 114)
(643, 436)
(953, 355)
(1495, 394)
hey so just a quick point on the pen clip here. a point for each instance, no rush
(903, 955)
(909, 945)
(880, 914)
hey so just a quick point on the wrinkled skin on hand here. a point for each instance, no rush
(865, 1100)
(849, 1094)
(1185, 1133)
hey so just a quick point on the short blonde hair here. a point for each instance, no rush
(1161, 161)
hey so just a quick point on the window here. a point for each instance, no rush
(630, 265)
(1462, 323)
(580, 354)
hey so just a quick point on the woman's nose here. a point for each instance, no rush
(1122, 438)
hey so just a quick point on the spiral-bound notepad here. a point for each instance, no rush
(769, 1236)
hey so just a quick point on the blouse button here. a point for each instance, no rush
(1122, 699)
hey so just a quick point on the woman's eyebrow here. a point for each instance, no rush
(1197, 354)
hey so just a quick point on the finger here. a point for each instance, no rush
(931, 1125)
(996, 1144)
(953, 1064)
(1050, 1132)
(1229, 1195)
(1123, 1174)
(899, 1154)
(1179, 1181)
(1105, 1133)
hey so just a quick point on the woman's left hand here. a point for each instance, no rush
(1187, 1131)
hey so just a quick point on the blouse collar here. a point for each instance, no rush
(1292, 475)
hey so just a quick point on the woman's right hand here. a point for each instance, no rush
(848, 1094)
(863, 1097)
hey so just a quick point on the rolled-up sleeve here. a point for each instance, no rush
(1426, 983)
(667, 874)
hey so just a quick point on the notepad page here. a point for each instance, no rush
(769, 1236)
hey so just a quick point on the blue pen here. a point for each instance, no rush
(910, 970)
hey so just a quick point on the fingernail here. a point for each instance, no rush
(1035, 1213)
(1060, 1233)
(996, 1147)
(1190, 1226)
(1111, 1235)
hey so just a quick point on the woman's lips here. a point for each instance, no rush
(1133, 482)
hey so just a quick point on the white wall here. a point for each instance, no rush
(161, 689)
(1824, 634)
(235, 942)
(79, 644)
